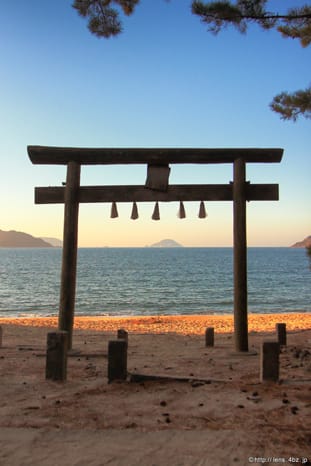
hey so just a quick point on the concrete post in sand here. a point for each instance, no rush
(117, 360)
(123, 334)
(56, 356)
(209, 336)
(269, 361)
(281, 333)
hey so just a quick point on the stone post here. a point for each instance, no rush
(56, 356)
(269, 361)
(281, 333)
(123, 334)
(209, 336)
(117, 360)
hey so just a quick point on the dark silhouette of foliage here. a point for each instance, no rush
(103, 17)
(290, 106)
(104, 21)
(296, 24)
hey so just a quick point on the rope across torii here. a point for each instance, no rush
(156, 189)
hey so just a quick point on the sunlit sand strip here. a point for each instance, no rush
(180, 324)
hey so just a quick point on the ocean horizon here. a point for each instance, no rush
(129, 281)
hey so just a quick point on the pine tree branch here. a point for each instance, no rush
(103, 19)
(291, 106)
(257, 17)
(104, 22)
(219, 14)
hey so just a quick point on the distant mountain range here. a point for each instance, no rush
(305, 243)
(55, 242)
(18, 239)
(166, 243)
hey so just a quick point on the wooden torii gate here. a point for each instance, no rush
(157, 159)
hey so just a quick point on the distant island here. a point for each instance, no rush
(305, 243)
(166, 243)
(18, 239)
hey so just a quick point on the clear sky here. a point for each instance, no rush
(164, 82)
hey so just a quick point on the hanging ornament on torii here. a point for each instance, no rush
(156, 211)
(157, 180)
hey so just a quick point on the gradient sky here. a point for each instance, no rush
(164, 82)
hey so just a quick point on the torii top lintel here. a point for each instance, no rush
(158, 156)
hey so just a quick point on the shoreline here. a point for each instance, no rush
(185, 324)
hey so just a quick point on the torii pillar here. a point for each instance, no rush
(70, 247)
(240, 256)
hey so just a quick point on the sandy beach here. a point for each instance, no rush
(218, 414)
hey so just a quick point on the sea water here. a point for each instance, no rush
(149, 281)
